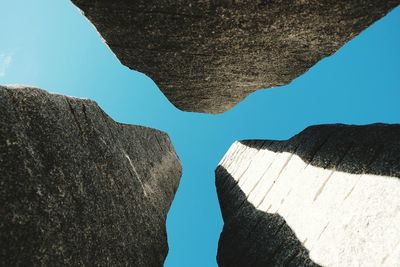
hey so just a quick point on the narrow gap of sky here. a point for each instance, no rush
(50, 45)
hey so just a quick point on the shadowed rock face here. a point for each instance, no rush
(328, 196)
(207, 55)
(78, 188)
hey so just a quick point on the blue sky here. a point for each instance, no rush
(50, 45)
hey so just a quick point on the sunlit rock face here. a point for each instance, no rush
(207, 55)
(77, 188)
(329, 196)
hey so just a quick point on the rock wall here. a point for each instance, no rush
(329, 196)
(78, 188)
(207, 55)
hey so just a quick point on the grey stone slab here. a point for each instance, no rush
(77, 188)
(207, 55)
(329, 196)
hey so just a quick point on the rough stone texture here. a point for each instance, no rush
(328, 196)
(207, 55)
(77, 188)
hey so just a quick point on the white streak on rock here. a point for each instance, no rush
(136, 173)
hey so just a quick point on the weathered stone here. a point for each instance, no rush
(79, 189)
(208, 55)
(328, 196)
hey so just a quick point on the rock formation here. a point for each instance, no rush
(328, 196)
(79, 189)
(207, 55)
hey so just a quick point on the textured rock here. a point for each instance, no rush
(78, 188)
(207, 55)
(328, 196)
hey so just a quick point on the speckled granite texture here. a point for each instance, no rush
(207, 55)
(329, 196)
(78, 188)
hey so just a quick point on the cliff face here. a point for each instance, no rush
(328, 196)
(78, 188)
(207, 55)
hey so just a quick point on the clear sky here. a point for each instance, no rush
(50, 45)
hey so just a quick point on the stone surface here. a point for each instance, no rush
(79, 189)
(328, 196)
(207, 55)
